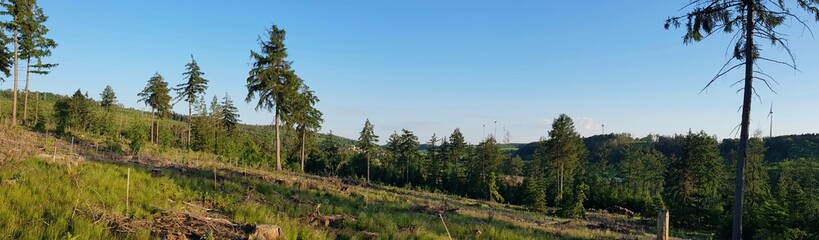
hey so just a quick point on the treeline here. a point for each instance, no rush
(566, 174)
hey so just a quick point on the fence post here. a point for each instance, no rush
(662, 224)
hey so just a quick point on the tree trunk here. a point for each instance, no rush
(37, 109)
(25, 98)
(368, 167)
(278, 145)
(153, 116)
(188, 143)
(14, 101)
(736, 230)
(303, 140)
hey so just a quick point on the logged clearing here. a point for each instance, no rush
(54, 189)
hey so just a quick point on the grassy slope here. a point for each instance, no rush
(49, 199)
(70, 200)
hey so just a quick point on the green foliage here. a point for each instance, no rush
(108, 98)
(572, 205)
(194, 85)
(230, 114)
(367, 143)
(693, 183)
(562, 155)
(274, 82)
(138, 137)
(155, 95)
(76, 112)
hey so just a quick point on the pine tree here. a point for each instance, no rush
(306, 117)
(367, 142)
(755, 19)
(34, 44)
(484, 168)
(155, 95)
(188, 91)
(108, 98)
(692, 183)
(454, 152)
(230, 114)
(272, 79)
(563, 155)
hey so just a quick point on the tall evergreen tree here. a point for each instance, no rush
(272, 79)
(189, 90)
(108, 98)
(306, 117)
(22, 19)
(34, 44)
(692, 182)
(484, 169)
(155, 95)
(230, 114)
(563, 155)
(367, 142)
(755, 19)
(454, 152)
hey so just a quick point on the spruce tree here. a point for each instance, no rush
(273, 81)
(35, 45)
(189, 90)
(108, 98)
(367, 142)
(563, 155)
(230, 114)
(305, 116)
(156, 95)
(755, 20)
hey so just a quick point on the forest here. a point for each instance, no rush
(564, 175)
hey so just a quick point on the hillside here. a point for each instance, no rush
(84, 192)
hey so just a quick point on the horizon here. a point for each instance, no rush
(464, 65)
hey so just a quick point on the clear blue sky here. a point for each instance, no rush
(432, 66)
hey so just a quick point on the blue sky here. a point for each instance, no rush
(432, 66)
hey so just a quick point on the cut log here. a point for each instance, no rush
(268, 232)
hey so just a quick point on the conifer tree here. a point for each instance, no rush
(273, 81)
(305, 116)
(35, 45)
(367, 142)
(754, 20)
(108, 98)
(230, 114)
(189, 90)
(155, 95)
(563, 155)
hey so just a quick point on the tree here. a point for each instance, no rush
(367, 142)
(34, 44)
(484, 169)
(305, 116)
(75, 111)
(754, 19)
(642, 172)
(272, 79)
(21, 17)
(188, 91)
(108, 98)
(230, 114)
(692, 182)
(563, 155)
(155, 95)
(453, 152)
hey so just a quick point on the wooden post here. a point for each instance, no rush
(128, 192)
(662, 224)
(445, 228)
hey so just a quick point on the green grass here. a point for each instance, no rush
(42, 202)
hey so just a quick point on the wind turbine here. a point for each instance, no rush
(770, 115)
